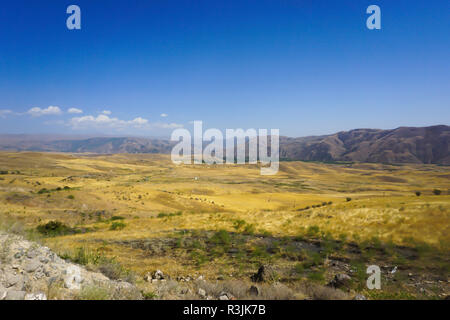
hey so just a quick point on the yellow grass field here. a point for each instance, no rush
(156, 206)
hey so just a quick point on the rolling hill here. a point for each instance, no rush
(401, 145)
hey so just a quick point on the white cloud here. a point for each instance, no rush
(138, 121)
(51, 110)
(5, 112)
(167, 125)
(164, 115)
(74, 110)
(104, 121)
(107, 112)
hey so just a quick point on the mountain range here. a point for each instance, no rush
(400, 145)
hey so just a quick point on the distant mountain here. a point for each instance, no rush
(104, 145)
(401, 145)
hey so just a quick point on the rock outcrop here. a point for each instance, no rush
(29, 271)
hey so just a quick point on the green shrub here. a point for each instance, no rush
(316, 276)
(71, 197)
(418, 193)
(238, 224)
(55, 228)
(436, 192)
(117, 225)
(168, 215)
(348, 199)
(94, 293)
(221, 237)
(114, 218)
(249, 229)
(313, 230)
(149, 295)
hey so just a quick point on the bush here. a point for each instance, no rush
(43, 190)
(249, 229)
(94, 293)
(238, 224)
(117, 225)
(114, 218)
(221, 237)
(84, 256)
(348, 199)
(168, 215)
(313, 230)
(316, 276)
(418, 193)
(437, 192)
(71, 197)
(149, 295)
(55, 228)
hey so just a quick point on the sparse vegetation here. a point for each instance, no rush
(436, 192)
(55, 228)
(152, 217)
(117, 225)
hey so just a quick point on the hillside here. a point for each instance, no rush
(401, 145)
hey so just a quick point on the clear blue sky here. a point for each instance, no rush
(306, 67)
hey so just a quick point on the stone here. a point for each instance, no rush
(15, 295)
(202, 293)
(32, 266)
(73, 279)
(359, 297)
(148, 277)
(35, 296)
(265, 273)
(225, 296)
(36, 267)
(158, 275)
(32, 254)
(12, 279)
(253, 291)
(340, 280)
(3, 292)
(44, 260)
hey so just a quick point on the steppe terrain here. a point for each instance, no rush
(309, 222)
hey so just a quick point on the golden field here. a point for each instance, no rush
(166, 215)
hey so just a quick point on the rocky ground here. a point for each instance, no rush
(29, 271)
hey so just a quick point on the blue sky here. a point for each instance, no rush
(146, 67)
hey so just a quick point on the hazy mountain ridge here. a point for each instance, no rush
(401, 145)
